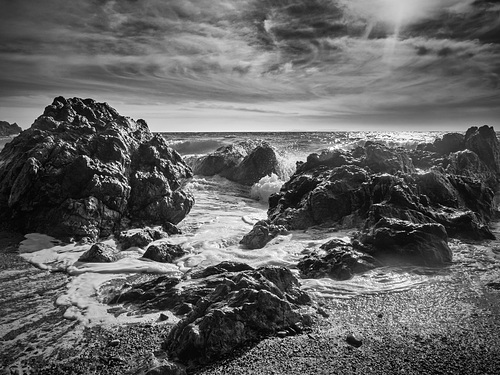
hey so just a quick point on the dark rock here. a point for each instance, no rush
(82, 170)
(243, 309)
(163, 317)
(394, 239)
(99, 253)
(353, 341)
(382, 159)
(338, 260)
(261, 234)
(7, 129)
(245, 162)
(484, 142)
(139, 237)
(220, 268)
(451, 142)
(164, 252)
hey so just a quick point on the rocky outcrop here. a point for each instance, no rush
(244, 308)
(164, 252)
(262, 232)
(99, 253)
(336, 259)
(245, 162)
(225, 307)
(7, 129)
(139, 237)
(83, 170)
(400, 212)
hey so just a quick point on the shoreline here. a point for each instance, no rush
(450, 324)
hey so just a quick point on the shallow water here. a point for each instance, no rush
(223, 213)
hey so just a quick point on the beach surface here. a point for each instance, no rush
(448, 325)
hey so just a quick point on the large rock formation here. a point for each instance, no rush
(225, 307)
(7, 129)
(245, 162)
(83, 170)
(400, 212)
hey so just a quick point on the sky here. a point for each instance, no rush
(257, 65)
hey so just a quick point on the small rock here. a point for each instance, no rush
(163, 317)
(322, 312)
(353, 341)
(380, 315)
(282, 334)
(114, 342)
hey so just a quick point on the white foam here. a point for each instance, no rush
(266, 186)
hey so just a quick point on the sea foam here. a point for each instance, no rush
(266, 186)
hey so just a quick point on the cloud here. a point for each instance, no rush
(323, 57)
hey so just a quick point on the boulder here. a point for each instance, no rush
(244, 162)
(139, 237)
(83, 170)
(99, 253)
(450, 142)
(382, 159)
(262, 232)
(7, 129)
(164, 252)
(484, 142)
(244, 308)
(400, 240)
(338, 260)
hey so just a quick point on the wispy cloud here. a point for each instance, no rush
(334, 59)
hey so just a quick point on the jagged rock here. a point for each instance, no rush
(337, 260)
(423, 244)
(99, 253)
(451, 142)
(164, 252)
(82, 170)
(220, 268)
(7, 129)
(224, 159)
(139, 237)
(261, 234)
(244, 162)
(382, 159)
(484, 142)
(244, 308)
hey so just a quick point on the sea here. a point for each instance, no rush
(223, 213)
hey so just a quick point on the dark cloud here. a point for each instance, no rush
(316, 57)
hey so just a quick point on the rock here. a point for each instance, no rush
(243, 309)
(244, 162)
(220, 268)
(394, 239)
(99, 253)
(337, 260)
(382, 159)
(164, 252)
(7, 129)
(114, 342)
(261, 234)
(82, 170)
(139, 237)
(353, 341)
(451, 142)
(224, 159)
(484, 142)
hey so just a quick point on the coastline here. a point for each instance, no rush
(447, 325)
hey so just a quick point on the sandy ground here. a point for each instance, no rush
(450, 325)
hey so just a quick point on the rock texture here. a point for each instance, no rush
(245, 162)
(83, 170)
(99, 253)
(225, 307)
(7, 129)
(164, 252)
(401, 212)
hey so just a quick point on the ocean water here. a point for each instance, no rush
(225, 211)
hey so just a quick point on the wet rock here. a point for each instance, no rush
(167, 368)
(99, 253)
(139, 237)
(450, 142)
(7, 129)
(337, 260)
(382, 159)
(261, 234)
(484, 142)
(82, 170)
(243, 308)
(164, 252)
(220, 268)
(353, 341)
(244, 162)
(395, 239)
